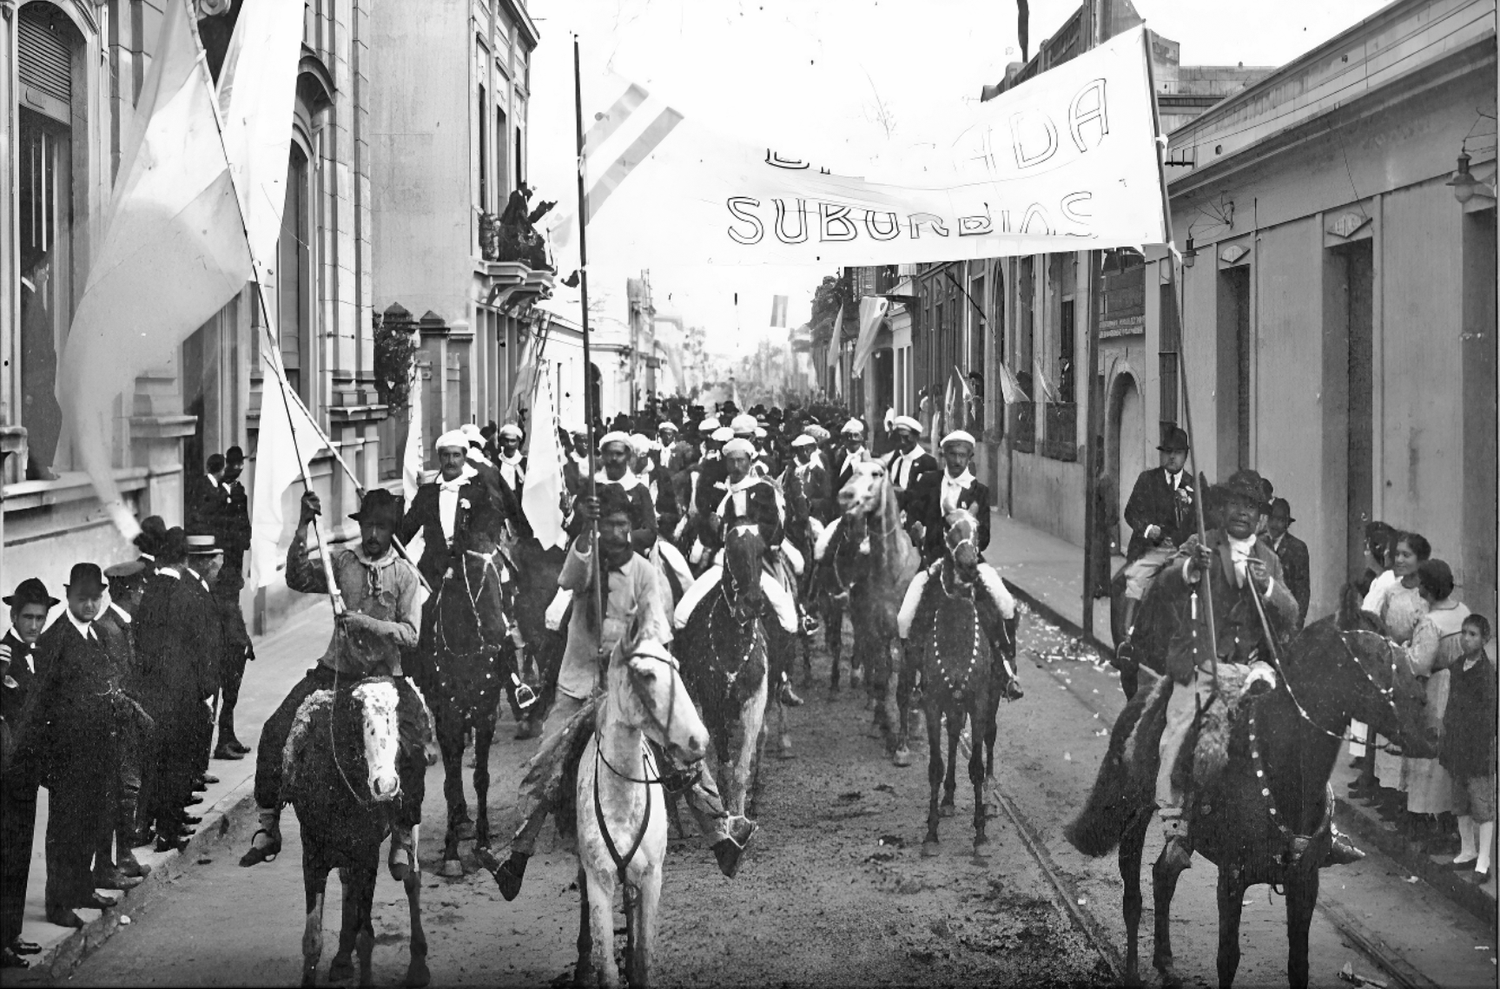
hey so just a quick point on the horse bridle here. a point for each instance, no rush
(622, 862)
(1388, 694)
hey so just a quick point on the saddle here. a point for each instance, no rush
(1205, 754)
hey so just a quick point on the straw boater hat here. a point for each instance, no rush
(203, 544)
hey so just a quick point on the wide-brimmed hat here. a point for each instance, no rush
(86, 577)
(1245, 485)
(30, 591)
(1173, 440)
(1282, 509)
(379, 507)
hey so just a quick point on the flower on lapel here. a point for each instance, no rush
(464, 504)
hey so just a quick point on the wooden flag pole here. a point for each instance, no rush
(589, 411)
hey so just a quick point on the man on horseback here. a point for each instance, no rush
(634, 591)
(1240, 568)
(381, 593)
(441, 507)
(908, 461)
(745, 496)
(852, 452)
(933, 497)
(511, 464)
(1160, 516)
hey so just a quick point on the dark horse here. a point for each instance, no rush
(465, 639)
(723, 654)
(536, 586)
(341, 779)
(802, 531)
(1266, 817)
(871, 558)
(958, 681)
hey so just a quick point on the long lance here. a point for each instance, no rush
(1204, 582)
(588, 362)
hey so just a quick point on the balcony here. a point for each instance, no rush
(1025, 435)
(1061, 441)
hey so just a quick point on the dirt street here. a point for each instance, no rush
(834, 892)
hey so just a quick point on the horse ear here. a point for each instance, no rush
(973, 510)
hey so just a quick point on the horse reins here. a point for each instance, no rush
(1386, 693)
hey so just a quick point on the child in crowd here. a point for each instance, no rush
(1468, 747)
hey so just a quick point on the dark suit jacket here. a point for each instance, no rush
(925, 505)
(811, 486)
(841, 470)
(195, 604)
(925, 463)
(708, 480)
(423, 516)
(1298, 569)
(20, 767)
(760, 508)
(642, 518)
(1236, 621)
(1153, 502)
(69, 707)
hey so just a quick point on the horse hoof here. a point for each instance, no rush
(451, 869)
(946, 810)
(417, 975)
(930, 849)
(340, 969)
(902, 757)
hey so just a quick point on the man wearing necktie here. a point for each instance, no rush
(853, 452)
(1238, 566)
(1160, 515)
(68, 719)
(441, 507)
(29, 606)
(908, 461)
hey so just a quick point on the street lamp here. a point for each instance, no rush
(1190, 255)
(1463, 183)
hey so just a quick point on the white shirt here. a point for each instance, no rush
(510, 469)
(448, 499)
(85, 629)
(901, 465)
(952, 488)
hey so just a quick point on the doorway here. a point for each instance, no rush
(1127, 444)
(1348, 321)
(1233, 394)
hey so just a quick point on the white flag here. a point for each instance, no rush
(1066, 161)
(411, 457)
(257, 94)
(541, 495)
(171, 254)
(872, 309)
(289, 439)
(1042, 386)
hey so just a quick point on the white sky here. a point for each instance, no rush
(852, 82)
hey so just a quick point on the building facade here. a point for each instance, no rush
(71, 76)
(449, 111)
(1338, 308)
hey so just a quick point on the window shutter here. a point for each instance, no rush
(46, 62)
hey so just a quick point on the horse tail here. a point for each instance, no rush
(1115, 797)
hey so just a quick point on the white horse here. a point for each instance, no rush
(622, 814)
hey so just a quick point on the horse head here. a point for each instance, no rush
(960, 542)
(743, 552)
(375, 702)
(1387, 693)
(475, 591)
(647, 693)
(865, 490)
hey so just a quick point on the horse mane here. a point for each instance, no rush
(300, 734)
(825, 538)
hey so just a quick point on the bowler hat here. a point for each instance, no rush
(86, 577)
(1173, 440)
(379, 507)
(234, 455)
(1281, 509)
(30, 591)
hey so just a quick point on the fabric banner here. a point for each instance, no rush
(872, 309)
(289, 439)
(1066, 161)
(411, 456)
(541, 495)
(836, 342)
(1010, 386)
(171, 253)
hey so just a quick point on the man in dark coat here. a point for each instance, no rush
(511, 464)
(908, 461)
(615, 454)
(440, 508)
(205, 561)
(1239, 568)
(233, 534)
(115, 865)
(1293, 555)
(1161, 518)
(20, 769)
(68, 721)
(853, 450)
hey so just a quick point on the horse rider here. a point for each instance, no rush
(577, 466)
(382, 601)
(908, 461)
(511, 463)
(441, 508)
(852, 452)
(1238, 565)
(706, 479)
(1160, 516)
(634, 592)
(933, 496)
(489, 474)
(807, 474)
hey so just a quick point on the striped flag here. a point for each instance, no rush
(778, 310)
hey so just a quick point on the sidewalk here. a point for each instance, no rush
(281, 659)
(1047, 573)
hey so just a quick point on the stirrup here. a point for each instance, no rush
(255, 856)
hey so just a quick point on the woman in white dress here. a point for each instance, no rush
(1400, 607)
(1434, 647)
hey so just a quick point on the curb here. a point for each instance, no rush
(59, 960)
(1466, 895)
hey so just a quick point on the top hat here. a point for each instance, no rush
(1281, 509)
(1173, 440)
(30, 591)
(379, 507)
(86, 577)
